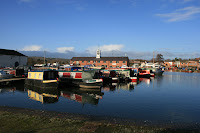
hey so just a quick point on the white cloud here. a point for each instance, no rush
(106, 48)
(32, 48)
(65, 49)
(181, 14)
(111, 47)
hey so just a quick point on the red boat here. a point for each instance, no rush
(144, 73)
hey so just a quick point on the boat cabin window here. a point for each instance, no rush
(97, 75)
(50, 75)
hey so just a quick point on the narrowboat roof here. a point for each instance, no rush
(46, 70)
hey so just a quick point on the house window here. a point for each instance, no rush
(82, 61)
(110, 66)
(104, 62)
(110, 61)
(94, 61)
(117, 66)
(88, 61)
(117, 61)
(123, 61)
(105, 66)
(98, 61)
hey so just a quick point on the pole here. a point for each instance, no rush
(44, 56)
(153, 56)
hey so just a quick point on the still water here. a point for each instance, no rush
(173, 97)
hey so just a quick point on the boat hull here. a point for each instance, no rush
(89, 85)
(159, 72)
(41, 83)
(133, 79)
(144, 75)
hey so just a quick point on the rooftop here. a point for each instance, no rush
(10, 52)
(100, 59)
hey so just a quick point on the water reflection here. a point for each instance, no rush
(19, 86)
(83, 95)
(128, 86)
(145, 80)
(7, 89)
(51, 95)
(89, 96)
(111, 87)
(43, 95)
(174, 97)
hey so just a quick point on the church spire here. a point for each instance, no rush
(98, 54)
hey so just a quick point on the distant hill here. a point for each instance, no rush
(68, 55)
(71, 54)
(40, 60)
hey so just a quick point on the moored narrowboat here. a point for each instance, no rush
(5, 75)
(42, 78)
(91, 79)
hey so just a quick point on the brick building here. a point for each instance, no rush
(189, 64)
(98, 61)
(182, 64)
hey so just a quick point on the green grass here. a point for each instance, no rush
(11, 122)
(19, 123)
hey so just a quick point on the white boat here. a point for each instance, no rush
(5, 75)
(152, 65)
(155, 68)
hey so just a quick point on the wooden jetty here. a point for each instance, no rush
(11, 79)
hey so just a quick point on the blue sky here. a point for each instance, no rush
(118, 27)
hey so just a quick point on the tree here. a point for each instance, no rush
(159, 58)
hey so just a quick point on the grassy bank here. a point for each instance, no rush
(26, 120)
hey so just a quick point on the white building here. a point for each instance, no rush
(12, 58)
